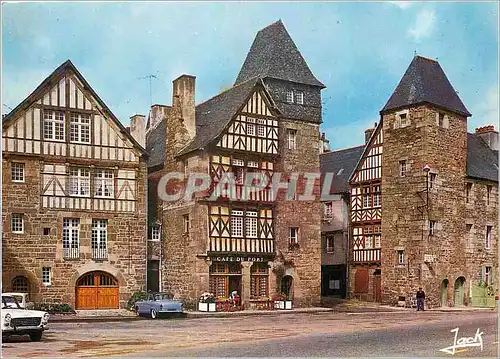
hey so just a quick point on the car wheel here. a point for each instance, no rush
(154, 314)
(137, 311)
(35, 336)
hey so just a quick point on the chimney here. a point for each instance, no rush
(369, 132)
(489, 135)
(183, 96)
(137, 129)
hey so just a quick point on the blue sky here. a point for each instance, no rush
(358, 50)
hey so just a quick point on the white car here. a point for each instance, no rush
(19, 321)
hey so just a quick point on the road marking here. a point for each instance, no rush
(461, 350)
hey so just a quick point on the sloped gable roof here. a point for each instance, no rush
(274, 54)
(341, 163)
(425, 82)
(482, 161)
(53, 79)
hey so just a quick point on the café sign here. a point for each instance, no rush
(236, 259)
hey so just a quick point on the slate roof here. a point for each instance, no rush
(274, 54)
(155, 145)
(482, 161)
(51, 81)
(341, 163)
(425, 82)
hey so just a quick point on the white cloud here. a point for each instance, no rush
(402, 4)
(424, 25)
(487, 111)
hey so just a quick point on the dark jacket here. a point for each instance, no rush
(420, 294)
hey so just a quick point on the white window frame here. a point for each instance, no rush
(367, 197)
(251, 224)
(328, 209)
(403, 168)
(376, 196)
(432, 227)
(237, 224)
(17, 172)
(401, 257)
(377, 238)
(291, 138)
(104, 179)
(53, 125)
(487, 237)
(79, 128)
(155, 233)
(46, 276)
(99, 243)
(186, 223)
(250, 129)
(330, 244)
(290, 96)
(369, 241)
(71, 237)
(293, 235)
(17, 223)
(261, 127)
(299, 97)
(404, 120)
(79, 181)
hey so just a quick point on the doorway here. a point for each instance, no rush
(459, 291)
(286, 286)
(97, 290)
(444, 293)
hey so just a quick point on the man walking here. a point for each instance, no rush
(420, 299)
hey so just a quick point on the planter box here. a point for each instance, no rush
(283, 304)
(207, 307)
(288, 304)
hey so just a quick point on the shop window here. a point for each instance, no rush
(259, 280)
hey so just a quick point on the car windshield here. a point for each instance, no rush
(9, 302)
(160, 296)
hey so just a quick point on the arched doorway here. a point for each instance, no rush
(97, 290)
(286, 286)
(444, 293)
(459, 291)
(20, 284)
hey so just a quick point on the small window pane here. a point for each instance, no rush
(17, 225)
(18, 172)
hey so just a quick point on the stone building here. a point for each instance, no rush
(74, 197)
(424, 211)
(335, 221)
(264, 124)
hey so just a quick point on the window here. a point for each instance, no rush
(432, 228)
(155, 233)
(376, 196)
(367, 200)
(299, 97)
(330, 244)
(432, 180)
(79, 128)
(46, 275)
(17, 172)
(250, 128)
(239, 175)
(403, 118)
(441, 120)
(259, 280)
(253, 164)
(289, 96)
(368, 241)
(103, 183)
(251, 224)
(377, 238)
(292, 139)
(402, 168)
(17, 224)
(261, 128)
(99, 238)
(487, 241)
(187, 225)
(468, 232)
(468, 190)
(328, 209)
(487, 275)
(46, 231)
(53, 125)
(20, 284)
(488, 194)
(401, 257)
(71, 238)
(293, 237)
(79, 181)
(237, 223)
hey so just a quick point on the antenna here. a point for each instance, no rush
(10, 108)
(150, 77)
(414, 52)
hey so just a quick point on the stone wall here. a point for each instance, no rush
(25, 254)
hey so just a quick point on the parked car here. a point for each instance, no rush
(158, 304)
(22, 299)
(17, 320)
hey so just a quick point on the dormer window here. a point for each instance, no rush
(404, 119)
(289, 96)
(299, 97)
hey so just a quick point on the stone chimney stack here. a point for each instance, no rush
(369, 132)
(137, 129)
(489, 135)
(183, 96)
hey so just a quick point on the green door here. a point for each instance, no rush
(444, 293)
(459, 291)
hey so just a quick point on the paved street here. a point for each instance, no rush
(332, 334)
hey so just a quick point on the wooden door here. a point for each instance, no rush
(97, 290)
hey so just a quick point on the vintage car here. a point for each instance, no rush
(19, 321)
(22, 299)
(157, 304)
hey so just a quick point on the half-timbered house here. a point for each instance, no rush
(251, 243)
(424, 210)
(74, 200)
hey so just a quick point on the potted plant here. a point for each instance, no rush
(207, 303)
